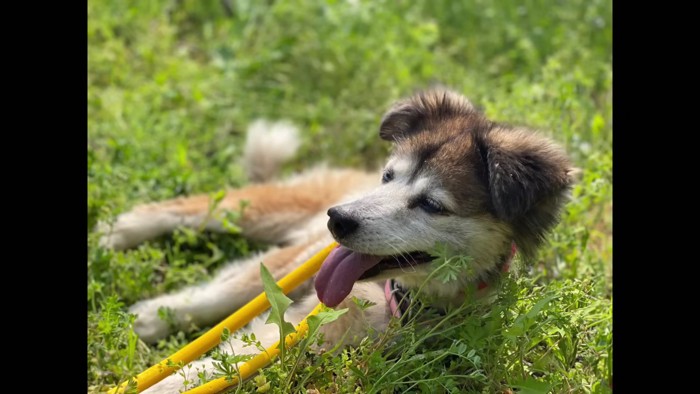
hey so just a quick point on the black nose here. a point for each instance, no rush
(341, 225)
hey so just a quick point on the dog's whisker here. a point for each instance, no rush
(412, 263)
(403, 257)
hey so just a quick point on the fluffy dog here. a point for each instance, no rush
(455, 181)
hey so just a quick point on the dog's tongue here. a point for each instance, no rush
(339, 272)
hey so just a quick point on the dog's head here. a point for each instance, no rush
(455, 180)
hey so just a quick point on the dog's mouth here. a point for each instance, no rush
(343, 267)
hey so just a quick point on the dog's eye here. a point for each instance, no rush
(430, 206)
(387, 176)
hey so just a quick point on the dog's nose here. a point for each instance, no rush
(341, 225)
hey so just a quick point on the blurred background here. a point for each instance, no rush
(172, 86)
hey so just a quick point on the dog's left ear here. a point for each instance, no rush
(529, 179)
(524, 169)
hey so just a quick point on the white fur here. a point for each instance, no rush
(132, 228)
(267, 146)
(401, 166)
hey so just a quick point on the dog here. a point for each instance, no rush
(455, 180)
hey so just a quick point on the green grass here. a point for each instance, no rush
(173, 84)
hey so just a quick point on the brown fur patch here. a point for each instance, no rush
(273, 209)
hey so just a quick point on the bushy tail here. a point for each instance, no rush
(268, 146)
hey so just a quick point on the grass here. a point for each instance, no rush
(173, 84)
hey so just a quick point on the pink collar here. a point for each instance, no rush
(396, 296)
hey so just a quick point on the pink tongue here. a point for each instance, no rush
(339, 272)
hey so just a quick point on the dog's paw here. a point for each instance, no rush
(175, 383)
(111, 238)
(172, 384)
(131, 229)
(149, 325)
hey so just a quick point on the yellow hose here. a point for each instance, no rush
(257, 362)
(237, 320)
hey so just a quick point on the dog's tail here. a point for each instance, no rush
(268, 146)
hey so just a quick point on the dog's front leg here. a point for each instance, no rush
(208, 303)
(199, 305)
(349, 329)
(358, 322)
(266, 335)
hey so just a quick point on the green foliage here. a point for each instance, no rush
(173, 84)
(447, 266)
(113, 344)
(278, 306)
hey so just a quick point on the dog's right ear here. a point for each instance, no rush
(399, 121)
(412, 115)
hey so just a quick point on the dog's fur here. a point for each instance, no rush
(455, 179)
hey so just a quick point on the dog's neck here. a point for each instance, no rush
(456, 292)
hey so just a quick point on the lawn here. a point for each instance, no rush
(172, 86)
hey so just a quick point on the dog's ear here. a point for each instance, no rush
(529, 178)
(414, 114)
